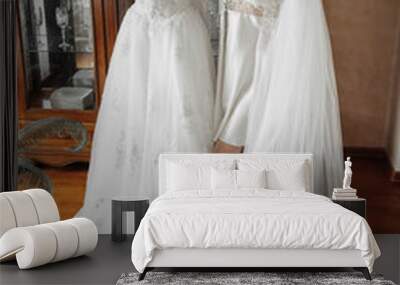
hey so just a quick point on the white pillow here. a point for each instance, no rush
(251, 178)
(223, 179)
(282, 174)
(184, 177)
(292, 179)
(237, 179)
(193, 174)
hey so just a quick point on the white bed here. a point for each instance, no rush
(248, 227)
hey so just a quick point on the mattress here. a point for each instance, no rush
(250, 219)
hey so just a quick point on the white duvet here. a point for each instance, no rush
(252, 218)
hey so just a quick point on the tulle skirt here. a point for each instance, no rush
(158, 98)
(295, 104)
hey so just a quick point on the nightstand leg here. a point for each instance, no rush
(116, 221)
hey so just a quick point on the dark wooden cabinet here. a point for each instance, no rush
(63, 51)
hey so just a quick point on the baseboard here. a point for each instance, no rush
(366, 152)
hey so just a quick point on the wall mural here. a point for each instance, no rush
(207, 106)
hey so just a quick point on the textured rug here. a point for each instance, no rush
(268, 278)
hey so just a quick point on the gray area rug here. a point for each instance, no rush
(232, 278)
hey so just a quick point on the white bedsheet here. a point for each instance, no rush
(250, 218)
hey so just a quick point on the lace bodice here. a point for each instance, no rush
(261, 8)
(266, 10)
(162, 8)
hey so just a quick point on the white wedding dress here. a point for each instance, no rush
(248, 25)
(294, 104)
(158, 97)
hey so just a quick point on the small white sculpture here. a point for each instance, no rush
(348, 173)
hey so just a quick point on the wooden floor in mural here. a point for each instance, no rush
(69, 186)
(371, 178)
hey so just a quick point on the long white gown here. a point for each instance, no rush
(294, 104)
(248, 24)
(158, 97)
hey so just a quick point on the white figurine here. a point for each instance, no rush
(347, 174)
